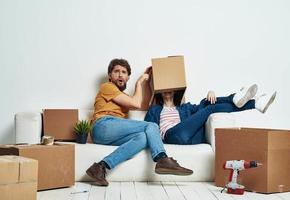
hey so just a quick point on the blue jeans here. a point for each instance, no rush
(192, 129)
(131, 136)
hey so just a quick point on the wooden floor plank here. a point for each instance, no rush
(97, 193)
(173, 191)
(82, 191)
(152, 191)
(143, 191)
(216, 191)
(202, 191)
(113, 191)
(259, 196)
(188, 191)
(57, 194)
(284, 195)
(128, 191)
(157, 190)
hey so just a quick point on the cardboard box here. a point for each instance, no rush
(60, 123)
(56, 163)
(267, 146)
(168, 74)
(18, 178)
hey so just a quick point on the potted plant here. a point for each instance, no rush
(82, 129)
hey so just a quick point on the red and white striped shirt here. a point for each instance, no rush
(169, 117)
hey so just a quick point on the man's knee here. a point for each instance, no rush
(141, 138)
(152, 127)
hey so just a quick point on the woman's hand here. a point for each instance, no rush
(211, 97)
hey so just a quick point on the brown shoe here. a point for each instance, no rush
(170, 166)
(98, 173)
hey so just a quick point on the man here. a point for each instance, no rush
(110, 126)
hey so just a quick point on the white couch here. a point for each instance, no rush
(199, 158)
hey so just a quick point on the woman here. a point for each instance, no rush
(184, 123)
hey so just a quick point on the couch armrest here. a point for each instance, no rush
(218, 120)
(28, 126)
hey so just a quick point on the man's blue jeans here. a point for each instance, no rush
(131, 136)
(192, 130)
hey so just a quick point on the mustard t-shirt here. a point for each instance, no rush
(104, 104)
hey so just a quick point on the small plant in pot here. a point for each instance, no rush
(82, 129)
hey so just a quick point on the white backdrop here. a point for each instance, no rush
(54, 53)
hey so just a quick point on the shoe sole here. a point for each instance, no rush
(96, 180)
(165, 171)
(269, 102)
(251, 92)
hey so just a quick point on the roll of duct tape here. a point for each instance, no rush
(47, 140)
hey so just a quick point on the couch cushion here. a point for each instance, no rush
(199, 157)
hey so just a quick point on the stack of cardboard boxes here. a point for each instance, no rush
(56, 166)
(18, 178)
(56, 163)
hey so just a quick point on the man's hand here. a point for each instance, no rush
(211, 97)
(146, 75)
(143, 77)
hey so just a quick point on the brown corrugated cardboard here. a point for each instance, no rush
(19, 191)
(10, 166)
(59, 123)
(267, 146)
(24, 181)
(168, 74)
(56, 163)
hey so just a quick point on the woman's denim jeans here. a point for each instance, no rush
(131, 136)
(191, 130)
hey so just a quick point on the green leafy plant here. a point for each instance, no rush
(82, 127)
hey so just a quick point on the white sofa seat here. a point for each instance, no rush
(198, 157)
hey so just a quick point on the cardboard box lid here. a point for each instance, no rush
(14, 169)
(60, 123)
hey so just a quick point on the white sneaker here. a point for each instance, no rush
(264, 101)
(244, 95)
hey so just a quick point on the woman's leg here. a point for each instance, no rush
(185, 131)
(204, 102)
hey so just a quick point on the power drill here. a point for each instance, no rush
(235, 166)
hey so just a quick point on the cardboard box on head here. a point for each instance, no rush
(168, 74)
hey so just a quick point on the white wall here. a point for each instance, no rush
(54, 53)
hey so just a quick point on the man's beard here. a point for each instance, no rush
(121, 88)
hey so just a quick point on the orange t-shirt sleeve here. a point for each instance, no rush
(109, 91)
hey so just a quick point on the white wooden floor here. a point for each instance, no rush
(151, 191)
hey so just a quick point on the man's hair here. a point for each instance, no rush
(122, 62)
